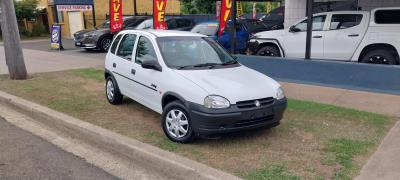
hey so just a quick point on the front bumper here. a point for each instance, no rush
(87, 43)
(206, 122)
(252, 47)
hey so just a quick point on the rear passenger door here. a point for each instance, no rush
(344, 35)
(123, 65)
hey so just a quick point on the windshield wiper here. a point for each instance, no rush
(210, 65)
(229, 63)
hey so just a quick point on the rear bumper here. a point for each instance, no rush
(208, 122)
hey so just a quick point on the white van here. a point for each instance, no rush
(197, 86)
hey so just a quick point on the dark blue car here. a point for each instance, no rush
(244, 29)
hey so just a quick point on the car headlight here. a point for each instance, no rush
(216, 102)
(280, 94)
(90, 35)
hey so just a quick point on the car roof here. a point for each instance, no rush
(165, 33)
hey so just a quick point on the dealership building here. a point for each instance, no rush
(296, 10)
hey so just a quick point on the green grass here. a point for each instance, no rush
(91, 73)
(272, 173)
(344, 150)
(314, 141)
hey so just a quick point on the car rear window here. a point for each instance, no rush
(387, 17)
(206, 29)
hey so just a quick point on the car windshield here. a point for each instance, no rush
(193, 52)
(206, 29)
(105, 24)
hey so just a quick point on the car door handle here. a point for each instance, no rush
(133, 71)
(353, 35)
(114, 65)
(317, 37)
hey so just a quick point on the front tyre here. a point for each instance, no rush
(105, 44)
(176, 123)
(269, 51)
(113, 94)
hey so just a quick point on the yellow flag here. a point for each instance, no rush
(239, 9)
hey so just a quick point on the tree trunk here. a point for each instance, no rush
(11, 38)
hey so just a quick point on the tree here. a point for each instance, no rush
(198, 6)
(26, 9)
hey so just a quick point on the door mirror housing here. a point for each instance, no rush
(151, 64)
(294, 29)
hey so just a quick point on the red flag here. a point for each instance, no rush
(254, 11)
(226, 10)
(159, 14)
(116, 20)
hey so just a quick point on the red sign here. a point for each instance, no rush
(159, 14)
(116, 20)
(226, 10)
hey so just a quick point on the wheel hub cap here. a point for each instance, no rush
(110, 90)
(177, 123)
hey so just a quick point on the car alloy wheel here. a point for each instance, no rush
(267, 53)
(177, 123)
(110, 90)
(106, 43)
(378, 59)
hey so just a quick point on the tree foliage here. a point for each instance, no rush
(26, 9)
(198, 6)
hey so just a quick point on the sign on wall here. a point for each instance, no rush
(55, 41)
(159, 14)
(116, 20)
(226, 10)
(73, 2)
(74, 8)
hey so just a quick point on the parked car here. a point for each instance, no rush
(244, 29)
(368, 37)
(275, 19)
(198, 87)
(100, 38)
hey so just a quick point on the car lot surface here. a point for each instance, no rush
(25, 156)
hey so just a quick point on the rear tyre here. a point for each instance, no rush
(379, 56)
(176, 123)
(105, 44)
(269, 51)
(113, 94)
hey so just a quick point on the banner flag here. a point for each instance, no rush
(226, 10)
(159, 14)
(116, 20)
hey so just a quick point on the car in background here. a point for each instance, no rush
(275, 19)
(360, 36)
(100, 38)
(245, 28)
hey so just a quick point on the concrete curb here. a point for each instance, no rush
(148, 156)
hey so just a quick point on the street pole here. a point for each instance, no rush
(309, 28)
(134, 8)
(13, 51)
(233, 35)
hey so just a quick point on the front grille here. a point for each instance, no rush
(255, 121)
(252, 103)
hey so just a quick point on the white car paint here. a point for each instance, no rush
(343, 44)
(235, 84)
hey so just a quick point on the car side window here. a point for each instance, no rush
(145, 51)
(344, 21)
(181, 23)
(125, 48)
(318, 23)
(115, 44)
(171, 24)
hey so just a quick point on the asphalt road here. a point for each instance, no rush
(25, 156)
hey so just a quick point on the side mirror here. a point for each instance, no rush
(151, 64)
(294, 29)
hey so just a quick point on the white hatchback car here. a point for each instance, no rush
(199, 88)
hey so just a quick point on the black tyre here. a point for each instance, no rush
(105, 44)
(176, 123)
(113, 94)
(269, 51)
(379, 56)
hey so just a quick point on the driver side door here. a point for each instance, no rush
(294, 43)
